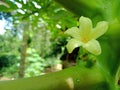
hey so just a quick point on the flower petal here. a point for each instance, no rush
(85, 26)
(93, 46)
(99, 30)
(72, 44)
(74, 32)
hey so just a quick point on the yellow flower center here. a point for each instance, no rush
(84, 39)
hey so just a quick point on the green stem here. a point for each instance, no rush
(75, 78)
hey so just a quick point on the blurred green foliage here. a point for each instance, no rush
(46, 40)
(34, 63)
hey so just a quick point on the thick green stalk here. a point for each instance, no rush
(75, 78)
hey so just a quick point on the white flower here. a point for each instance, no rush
(86, 35)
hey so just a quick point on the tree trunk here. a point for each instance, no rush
(23, 50)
